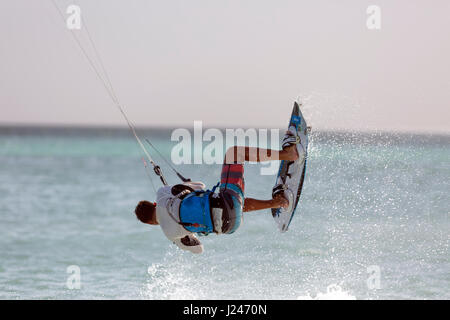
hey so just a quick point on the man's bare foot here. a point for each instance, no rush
(291, 152)
(280, 201)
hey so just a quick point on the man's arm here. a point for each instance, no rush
(255, 204)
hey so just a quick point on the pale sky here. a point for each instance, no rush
(230, 63)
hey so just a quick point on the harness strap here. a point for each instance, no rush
(183, 194)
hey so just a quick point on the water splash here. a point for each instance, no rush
(334, 292)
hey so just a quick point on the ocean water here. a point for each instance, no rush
(373, 222)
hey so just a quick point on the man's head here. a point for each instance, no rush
(146, 212)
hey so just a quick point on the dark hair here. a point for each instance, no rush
(145, 211)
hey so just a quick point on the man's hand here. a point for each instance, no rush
(189, 243)
(280, 201)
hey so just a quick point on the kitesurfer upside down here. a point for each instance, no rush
(185, 209)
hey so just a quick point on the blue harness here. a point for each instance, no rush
(195, 212)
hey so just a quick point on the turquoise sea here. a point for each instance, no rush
(373, 222)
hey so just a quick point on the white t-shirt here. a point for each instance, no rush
(165, 202)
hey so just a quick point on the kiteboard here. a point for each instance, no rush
(291, 174)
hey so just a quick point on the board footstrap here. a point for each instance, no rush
(278, 188)
(290, 139)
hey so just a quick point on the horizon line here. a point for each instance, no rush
(59, 126)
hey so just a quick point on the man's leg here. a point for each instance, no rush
(238, 154)
(254, 204)
(241, 154)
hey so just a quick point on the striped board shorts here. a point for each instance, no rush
(232, 188)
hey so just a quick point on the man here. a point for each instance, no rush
(186, 209)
